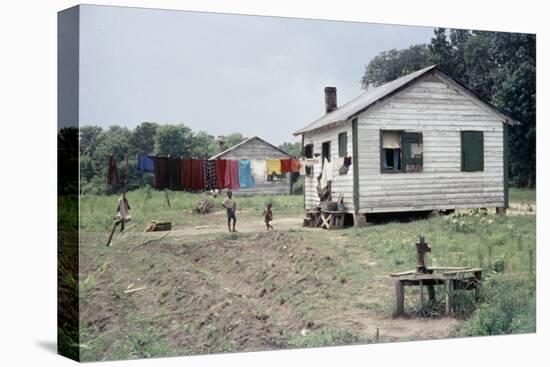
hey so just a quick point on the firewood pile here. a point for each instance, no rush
(204, 206)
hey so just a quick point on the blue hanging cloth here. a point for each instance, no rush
(245, 174)
(145, 163)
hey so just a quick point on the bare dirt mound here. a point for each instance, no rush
(231, 292)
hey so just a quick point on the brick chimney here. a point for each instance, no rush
(330, 99)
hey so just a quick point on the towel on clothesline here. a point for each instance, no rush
(326, 174)
(210, 175)
(286, 165)
(145, 163)
(186, 173)
(259, 169)
(162, 174)
(231, 178)
(197, 172)
(221, 165)
(273, 166)
(245, 174)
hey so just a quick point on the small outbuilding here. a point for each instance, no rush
(422, 142)
(257, 148)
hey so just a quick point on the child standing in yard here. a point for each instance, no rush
(230, 206)
(268, 216)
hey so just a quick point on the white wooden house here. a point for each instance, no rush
(258, 148)
(420, 142)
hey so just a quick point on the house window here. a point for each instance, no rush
(343, 144)
(401, 151)
(308, 153)
(325, 151)
(471, 143)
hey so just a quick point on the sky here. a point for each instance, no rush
(222, 73)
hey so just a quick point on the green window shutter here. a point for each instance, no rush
(472, 150)
(343, 144)
(412, 163)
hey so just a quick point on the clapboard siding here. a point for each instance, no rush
(256, 148)
(440, 113)
(342, 184)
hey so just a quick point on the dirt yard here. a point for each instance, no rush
(200, 289)
(205, 290)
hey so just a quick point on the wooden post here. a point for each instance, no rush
(449, 297)
(399, 298)
(421, 248)
(431, 293)
(421, 293)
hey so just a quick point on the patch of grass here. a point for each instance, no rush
(97, 211)
(325, 338)
(522, 196)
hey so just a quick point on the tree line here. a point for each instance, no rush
(176, 140)
(498, 66)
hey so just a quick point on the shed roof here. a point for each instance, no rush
(247, 141)
(374, 95)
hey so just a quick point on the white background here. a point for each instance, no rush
(28, 184)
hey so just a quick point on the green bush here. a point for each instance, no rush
(507, 306)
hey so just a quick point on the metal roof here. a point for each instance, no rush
(219, 155)
(363, 101)
(372, 96)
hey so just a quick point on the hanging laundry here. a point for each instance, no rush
(245, 174)
(259, 169)
(231, 174)
(273, 166)
(326, 173)
(338, 163)
(162, 177)
(286, 165)
(186, 173)
(174, 174)
(145, 163)
(347, 161)
(234, 175)
(197, 181)
(220, 172)
(112, 172)
(210, 174)
(302, 167)
(295, 165)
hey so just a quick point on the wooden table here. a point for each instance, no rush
(328, 219)
(453, 278)
(332, 219)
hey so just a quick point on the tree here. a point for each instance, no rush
(499, 67)
(204, 145)
(294, 149)
(88, 138)
(392, 64)
(228, 141)
(143, 138)
(174, 140)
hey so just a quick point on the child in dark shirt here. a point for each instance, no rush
(268, 216)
